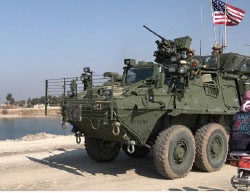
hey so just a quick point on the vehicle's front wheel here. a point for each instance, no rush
(211, 147)
(140, 151)
(101, 151)
(174, 152)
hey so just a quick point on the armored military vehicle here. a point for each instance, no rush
(178, 107)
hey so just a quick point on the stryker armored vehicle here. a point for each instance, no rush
(179, 107)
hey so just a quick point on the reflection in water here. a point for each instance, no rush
(13, 128)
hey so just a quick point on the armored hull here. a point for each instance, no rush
(179, 110)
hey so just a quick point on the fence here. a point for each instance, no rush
(58, 90)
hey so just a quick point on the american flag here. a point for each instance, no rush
(233, 15)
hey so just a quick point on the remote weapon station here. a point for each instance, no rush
(179, 106)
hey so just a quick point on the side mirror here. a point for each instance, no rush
(86, 69)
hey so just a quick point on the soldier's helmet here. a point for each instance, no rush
(191, 52)
(217, 49)
(195, 63)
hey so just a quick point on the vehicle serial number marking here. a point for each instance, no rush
(139, 121)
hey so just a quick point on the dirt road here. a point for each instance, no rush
(57, 163)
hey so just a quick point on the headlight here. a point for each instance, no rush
(130, 62)
(181, 70)
(100, 91)
(171, 69)
(86, 69)
(107, 92)
(100, 106)
(127, 62)
(104, 92)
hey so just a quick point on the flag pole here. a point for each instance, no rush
(215, 41)
(219, 36)
(225, 27)
(201, 35)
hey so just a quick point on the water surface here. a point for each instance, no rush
(14, 128)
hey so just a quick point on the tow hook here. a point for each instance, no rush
(64, 124)
(131, 147)
(98, 124)
(116, 128)
(78, 137)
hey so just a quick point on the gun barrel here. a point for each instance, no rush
(154, 32)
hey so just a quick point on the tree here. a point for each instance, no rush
(29, 103)
(42, 100)
(20, 103)
(35, 101)
(10, 99)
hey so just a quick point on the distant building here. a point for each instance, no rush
(3, 105)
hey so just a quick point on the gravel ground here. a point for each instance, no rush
(58, 163)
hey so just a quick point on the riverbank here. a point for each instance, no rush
(29, 112)
(35, 143)
(48, 163)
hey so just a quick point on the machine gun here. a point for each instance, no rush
(162, 38)
(87, 78)
(172, 55)
(169, 51)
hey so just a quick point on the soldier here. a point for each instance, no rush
(73, 87)
(194, 68)
(86, 78)
(217, 49)
(213, 61)
(192, 63)
(190, 53)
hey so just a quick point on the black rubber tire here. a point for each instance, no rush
(203, 137)
(163, 152)
(140, 151)
(101, 151)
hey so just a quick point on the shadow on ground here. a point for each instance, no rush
(201, 188)
(77, 162)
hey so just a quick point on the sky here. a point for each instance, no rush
(43, 39)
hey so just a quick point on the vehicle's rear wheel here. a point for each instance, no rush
(174, 152)
(211, 147)
(101, 151)
(140, 151)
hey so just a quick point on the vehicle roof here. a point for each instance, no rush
(231, 61)
(234, 61)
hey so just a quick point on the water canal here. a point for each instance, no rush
(14, 128)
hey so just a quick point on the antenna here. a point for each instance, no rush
(219, 36)
(201, 27)
(212, 11)
(225, 27)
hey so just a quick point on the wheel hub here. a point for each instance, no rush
(107, 146)
(180, 152)
(215, 148)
